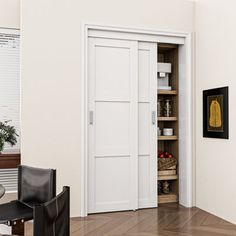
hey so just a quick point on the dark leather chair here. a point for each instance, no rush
(53, 217)
(35, 186)
(2, 191)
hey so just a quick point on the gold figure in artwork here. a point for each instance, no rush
(215, 114)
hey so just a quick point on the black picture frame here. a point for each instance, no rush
(216, 113)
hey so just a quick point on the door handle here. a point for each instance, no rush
(91, 117)
(153, 117)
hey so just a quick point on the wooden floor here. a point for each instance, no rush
(167, 220)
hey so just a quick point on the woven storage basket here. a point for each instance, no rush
(166, 163)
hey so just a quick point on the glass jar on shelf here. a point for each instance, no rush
(167, 108)
(159, 107)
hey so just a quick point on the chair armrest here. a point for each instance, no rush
(2, 191)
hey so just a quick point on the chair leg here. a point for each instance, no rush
(18, 228)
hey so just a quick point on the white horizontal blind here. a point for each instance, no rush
(10, 81)
(8, 178)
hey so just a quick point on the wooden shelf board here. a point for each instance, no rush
(167, 198)
(167, 118)
(166, 46)
(167, 177)
(167, 92)
(166, 138)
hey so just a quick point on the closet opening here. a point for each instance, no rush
(168, 123)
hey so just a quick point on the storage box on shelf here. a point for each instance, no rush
(167, 198)
(164, 69)
(168, 174)
(169, 171)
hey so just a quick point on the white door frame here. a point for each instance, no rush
(151, 35)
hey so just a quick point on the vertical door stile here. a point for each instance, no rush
(134, 120)
(91, 136)
(153, 134)
(147, 153)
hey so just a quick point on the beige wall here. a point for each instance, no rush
(51, 72)
(215, 66)
(10, 13)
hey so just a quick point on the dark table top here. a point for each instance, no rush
(15, 210)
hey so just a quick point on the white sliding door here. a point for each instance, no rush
(147, 128)
(113, 125)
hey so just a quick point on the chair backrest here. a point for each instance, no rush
(36, 185)
(53, 218)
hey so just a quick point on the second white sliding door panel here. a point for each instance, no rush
(147, 129)
(113, 133)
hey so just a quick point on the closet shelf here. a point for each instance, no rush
(167, 177)
(167, 92)
(166, 138)
(167, 198)
(167, 118)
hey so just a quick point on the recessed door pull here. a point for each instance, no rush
(154, 117)
(91, 117)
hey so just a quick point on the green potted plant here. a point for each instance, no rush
(7, 134)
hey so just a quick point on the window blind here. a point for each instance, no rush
(10, 81)
(8, 178)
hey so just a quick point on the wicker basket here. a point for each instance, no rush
(166, 163)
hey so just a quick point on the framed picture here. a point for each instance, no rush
(215, 113)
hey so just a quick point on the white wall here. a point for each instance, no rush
(10, 13)
(215, 67)
(51, 72)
